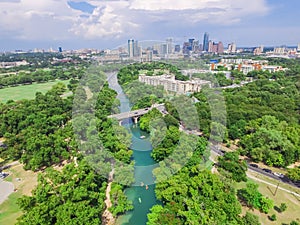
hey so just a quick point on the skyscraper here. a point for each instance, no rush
(210, 47)
(164, 49)
(220, 48)
(136, 50)
(191, 41)
(177, 48)
(130, 47)
(205, 41)
(169, 45)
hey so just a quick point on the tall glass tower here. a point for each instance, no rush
(205, 41)
(131, 47)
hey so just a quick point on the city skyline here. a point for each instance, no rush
(26, 24)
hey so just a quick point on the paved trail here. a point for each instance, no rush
(273, 185)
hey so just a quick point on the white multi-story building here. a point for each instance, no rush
(170, 84)
(244, 61)
(13, 64)
(246, 68)
(231, 48)
(280, 50)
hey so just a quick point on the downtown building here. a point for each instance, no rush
(216, 48)
(205, 42)
(231, 48)
(133, 48)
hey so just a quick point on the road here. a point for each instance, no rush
(261, 171)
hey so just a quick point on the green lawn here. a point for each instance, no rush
(26, 91)
(293, 202)
(10, 211)
(24, 181)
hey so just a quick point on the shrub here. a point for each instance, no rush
(273, 217)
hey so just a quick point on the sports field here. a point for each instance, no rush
(26, 91)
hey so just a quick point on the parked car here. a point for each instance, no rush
(253, 165)
(278, 174)
(3, 175)
(2, 145)
(267, 170)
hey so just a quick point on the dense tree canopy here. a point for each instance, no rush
(195, 197)
(37, 131)
(273, 142)
(230, 162)
(73, 196)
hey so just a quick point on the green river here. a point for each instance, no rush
(141, 193)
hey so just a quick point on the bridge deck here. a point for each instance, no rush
(137, 113)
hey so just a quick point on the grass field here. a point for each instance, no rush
(27, 180)
(293, 202)
(26, 91)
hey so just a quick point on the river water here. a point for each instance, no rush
(141, 193)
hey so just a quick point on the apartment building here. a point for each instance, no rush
(171, 84)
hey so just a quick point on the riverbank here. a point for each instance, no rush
(107, 216)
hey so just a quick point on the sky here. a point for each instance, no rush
(100, 24)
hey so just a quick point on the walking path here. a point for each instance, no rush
(107, 217)
(273, 185)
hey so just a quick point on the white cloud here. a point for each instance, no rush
(214, 11)
(54, 19)
(35, 20)
(107, 20)
(154, 5)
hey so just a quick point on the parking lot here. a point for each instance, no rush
(6, 188)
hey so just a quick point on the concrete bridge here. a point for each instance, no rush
(135, 114)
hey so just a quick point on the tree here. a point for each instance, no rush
(161, 216)
(146, 119)
(266, 204)
(230, 162)
(282, 207)
(120, 203)
(294, 173)
(167, 144)
(251, 219)
(273, 217)
(250, 195)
